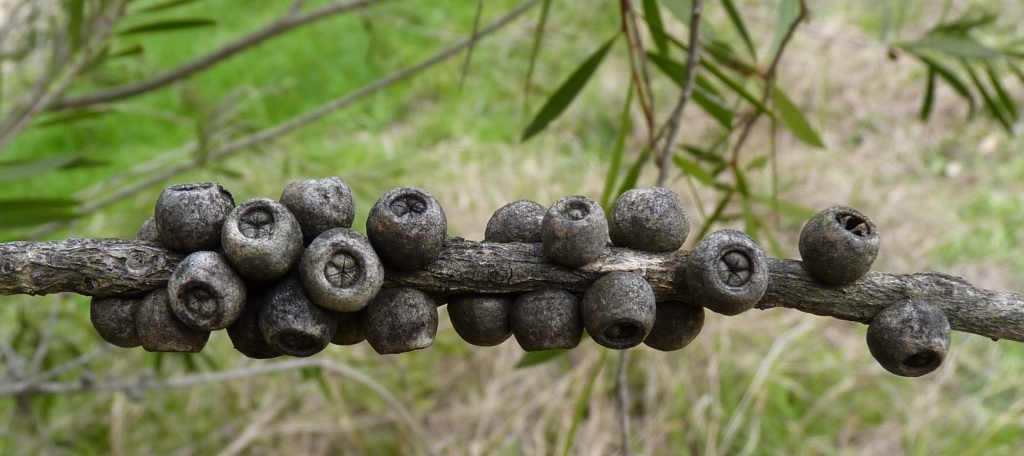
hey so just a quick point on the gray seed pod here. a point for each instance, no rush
(518, 221)
(482, 320)
(350, 329)
(547, 320)
(618, 310)
(727, 272)
(574, 231)
(651, 219)
(909, 338)
(675, 326)
(245, 332)
(838, 245)
(205, 292)
(189, 217)
(147, 232)
(292, 324)
(400, 320)
(341, 271)
(114, 320)
(262, 239)
(319, 205)
(407, 228)
(161, 331)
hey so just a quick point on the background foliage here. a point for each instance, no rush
(904, 109)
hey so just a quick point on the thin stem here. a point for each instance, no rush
(622, 388)
(290, 125)
(284, 24)
(638, 67)
(674, 121)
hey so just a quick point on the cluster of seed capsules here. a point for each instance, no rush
(290, 277)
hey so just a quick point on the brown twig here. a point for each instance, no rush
(638, 67)
(290, 125)
(675, 120)
(282, 25)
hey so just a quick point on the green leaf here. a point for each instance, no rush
(958, 85)
(741, 183)
(538, 36)
(794, 119)
(676, 71)
(472, 42)
(582, 404)
(708, 156)
(568, 90)
(929, 95)
(680, 9)
(21, 169)
(653, 17)
(693, 169)
(757, 163)
(990, 103)
(617, 150)
(539, 357)
(737, 87)
(75, 10)
(129, 51)
(633, 174)
(964, 24)
(75, 115)
(1004, 97)
(955, 46)
(737, 21)
(163, 6)
(1016, 70)
(23, 212)
(789, 11)
(167, 25)
(713, 107)
(717, 215)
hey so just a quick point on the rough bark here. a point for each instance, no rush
(112, 267)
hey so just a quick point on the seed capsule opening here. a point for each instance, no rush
(924, 359)
(297, 341)
(201, 301)
(408, 204)
(576, 210)
(256, 223)
(854, 224)
(342, 270)
(734, 268)
(622, 331)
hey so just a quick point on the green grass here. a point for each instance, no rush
(769, 382)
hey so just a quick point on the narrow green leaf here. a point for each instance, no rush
(680, 9)
(789, 10)
(706, 99)
(741, 183)
(472, 43)
(653, 17)
(993, 108)
(737, 21)
(757, 163)
(167, 25)
(75, 115)
(568, 90)
(955, 46)
(716, 215)
(737, 87)
(75, 10)
(964, 24)
(713, 107)
(705, 155)
(1009, 107)
(129, 51)
(20, 169)
(538, 36)
(693, 169)
(929, 95)
(751, 222)
(633, 174)
(583, 403)
(795, 120)
(539, 357)
(617, 150)
(1016, 70)
(958, 85)
(168, 4)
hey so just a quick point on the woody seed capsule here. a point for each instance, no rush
(114, 320)
(205, 292)
(341, 271)
(909, 338)
(261, 239)
(400, 320)
(676, 324)
(838, 245)
(574, 231)
(407, 228)
(651, 219)
(518, 221)
(618, 310)
(319, 205)
(482, 320)
(350, 329)
(147, 232)
(245, 332)
(727, 272)
(189, 217)
(160, 331)
(292, 324)
(547, 320)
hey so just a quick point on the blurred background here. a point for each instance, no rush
(905, 110)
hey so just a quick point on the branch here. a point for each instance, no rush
(288, 126)
(282, 25)
(692, 61)
(103, 267)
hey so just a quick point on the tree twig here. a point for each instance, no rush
(287, 126)
(282, 25)
(108, 267)
(675, 120)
